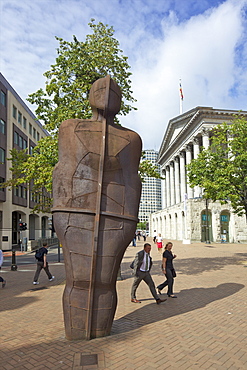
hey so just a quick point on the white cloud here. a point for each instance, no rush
(203, 43)
(200, 51)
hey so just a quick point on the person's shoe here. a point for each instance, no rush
(35, 283)
(134, 300)
(159, 291)
(172, 296)
(158, 301)
(3, 283)
(52, 278)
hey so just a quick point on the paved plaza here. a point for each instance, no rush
(204, 328)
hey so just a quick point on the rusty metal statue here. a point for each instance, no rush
(96, 190)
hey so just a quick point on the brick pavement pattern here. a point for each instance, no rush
(204, 328)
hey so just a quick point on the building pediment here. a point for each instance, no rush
(182, 129)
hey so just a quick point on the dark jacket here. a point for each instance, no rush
(138, 262)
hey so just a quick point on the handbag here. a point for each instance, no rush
(173, 273)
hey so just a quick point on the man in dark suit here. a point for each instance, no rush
(142, 266)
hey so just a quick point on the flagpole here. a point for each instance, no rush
(181, 97)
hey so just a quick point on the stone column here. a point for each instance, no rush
(196, 149)
(182, 175)
(177, 181)
(164, 200)
(205, 138)
(168, 196)
(172, 183)
(188, 152)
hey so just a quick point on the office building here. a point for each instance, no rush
(19, 129)
(151, 191)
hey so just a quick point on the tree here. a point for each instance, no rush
(68, 82)
(141, 226)
(222, 169)
(147, 169)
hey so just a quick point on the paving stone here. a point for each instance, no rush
(204, 328)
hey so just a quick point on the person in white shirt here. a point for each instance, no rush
(142, 265)
(159, 242)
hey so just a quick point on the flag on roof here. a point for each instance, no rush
(181, 91)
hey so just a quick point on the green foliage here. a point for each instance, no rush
(147, 169)
(141, 226)
(35, 171)
(222, 169)
(78, 65)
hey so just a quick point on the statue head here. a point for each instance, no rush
(105, 96)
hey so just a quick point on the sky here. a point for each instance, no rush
(203, 43)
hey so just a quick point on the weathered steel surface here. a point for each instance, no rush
(96, 190)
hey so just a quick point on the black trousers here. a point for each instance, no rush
(169, 282)
(145, 276)
(40, 266)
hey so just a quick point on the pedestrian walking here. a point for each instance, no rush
(1, 262)
(134, 241)
(41, 256)
(142, 265)
(159, 241)
(144, 235)
(154, 236)
(168, 270)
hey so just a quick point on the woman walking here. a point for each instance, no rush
(168, 270)
(159, 242)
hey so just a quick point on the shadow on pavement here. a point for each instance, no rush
(190, 266)
(188, 300)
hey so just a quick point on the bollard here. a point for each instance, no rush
(58, 251)
(13, 265)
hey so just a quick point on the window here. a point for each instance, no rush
(16, 138)
(37, 136)
(14, 111)
(1, 181)
(19, 118)
(30, 129)
(2, 156)
(16, 191)
(20, 191)
(3, 98)
(34, 133)
(2, 126)
(35, 197)
(31, 149)
(20, 142)
(24, 122)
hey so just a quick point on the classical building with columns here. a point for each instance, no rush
(185, 215)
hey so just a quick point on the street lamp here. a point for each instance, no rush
(207, 225)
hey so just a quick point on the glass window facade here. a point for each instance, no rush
(2, 156)
(3, 98)
(14, 112)
(151, 191)
(2, 126)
